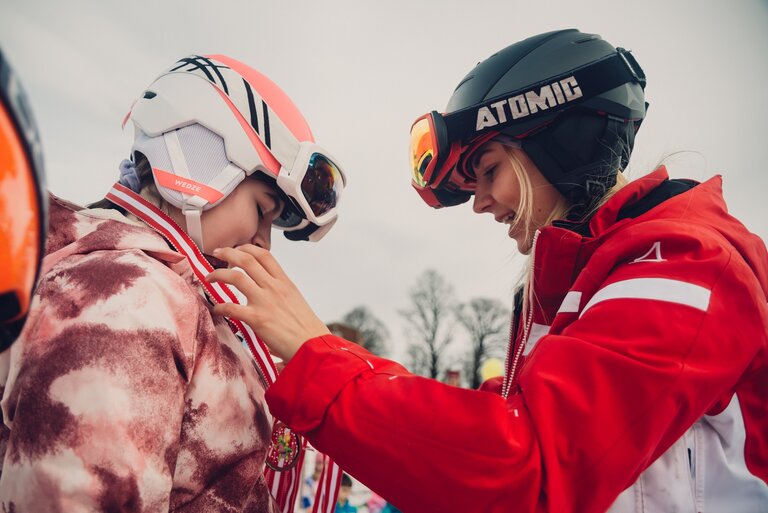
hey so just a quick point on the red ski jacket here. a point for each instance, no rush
(641, 385)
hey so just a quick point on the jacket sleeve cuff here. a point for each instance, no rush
(313, 378)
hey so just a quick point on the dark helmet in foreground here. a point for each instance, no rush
(22, 205)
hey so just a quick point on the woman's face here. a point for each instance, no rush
(499, 192)
(244, 217)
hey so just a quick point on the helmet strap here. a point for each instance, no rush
(192, 206)
(193, 211)
(227, 179)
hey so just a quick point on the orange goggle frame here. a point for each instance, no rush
(436, 157)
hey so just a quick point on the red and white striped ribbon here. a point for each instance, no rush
(283, 485)
(327, 487)
(219, 292)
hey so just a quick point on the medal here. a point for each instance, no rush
(285, 449)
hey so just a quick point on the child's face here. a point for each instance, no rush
(344, 492)
(244, 217)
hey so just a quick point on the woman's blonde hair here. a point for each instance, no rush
(525, 212)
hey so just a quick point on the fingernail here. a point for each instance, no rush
(216, 251)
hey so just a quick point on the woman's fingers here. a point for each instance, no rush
(266, 260)
(232, 310)
(245, 261)
(276, 310)
(242, 282)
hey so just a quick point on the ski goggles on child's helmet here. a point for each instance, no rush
(313, 184)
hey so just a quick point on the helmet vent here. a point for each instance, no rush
(592, 37)
(149, 95)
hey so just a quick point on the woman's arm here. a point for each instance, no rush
(598, 402)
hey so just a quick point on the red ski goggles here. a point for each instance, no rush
(437, 170)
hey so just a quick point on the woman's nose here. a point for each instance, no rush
(482, 201)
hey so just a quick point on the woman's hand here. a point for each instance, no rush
(276, 310)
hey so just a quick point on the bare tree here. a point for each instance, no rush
(373, 332)
(487, 322)
(429, 320)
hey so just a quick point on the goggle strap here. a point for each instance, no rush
(226, 177)
(306, 232)
(442, 139)
(592, 79)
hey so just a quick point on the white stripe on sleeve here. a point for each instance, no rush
(657, 289)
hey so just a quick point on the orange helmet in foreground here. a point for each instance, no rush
(22, 205)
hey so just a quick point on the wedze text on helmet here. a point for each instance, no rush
(530, 102)
(183, 184)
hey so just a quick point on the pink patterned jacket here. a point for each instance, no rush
(123, 392)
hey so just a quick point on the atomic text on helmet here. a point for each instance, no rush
(530, 102)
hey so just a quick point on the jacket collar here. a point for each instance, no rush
(606, 217)
(74, 230)
(562, 251)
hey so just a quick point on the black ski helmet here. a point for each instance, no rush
(580, 148)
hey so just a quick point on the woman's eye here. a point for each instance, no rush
(489, 171)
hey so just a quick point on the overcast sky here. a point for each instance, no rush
(361, 72)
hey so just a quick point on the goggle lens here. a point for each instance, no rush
(289, 217)
(422, 150)
(322, 184)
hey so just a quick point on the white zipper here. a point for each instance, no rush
(507, 359)
(511, 371)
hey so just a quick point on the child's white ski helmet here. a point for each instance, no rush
(210, 121)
